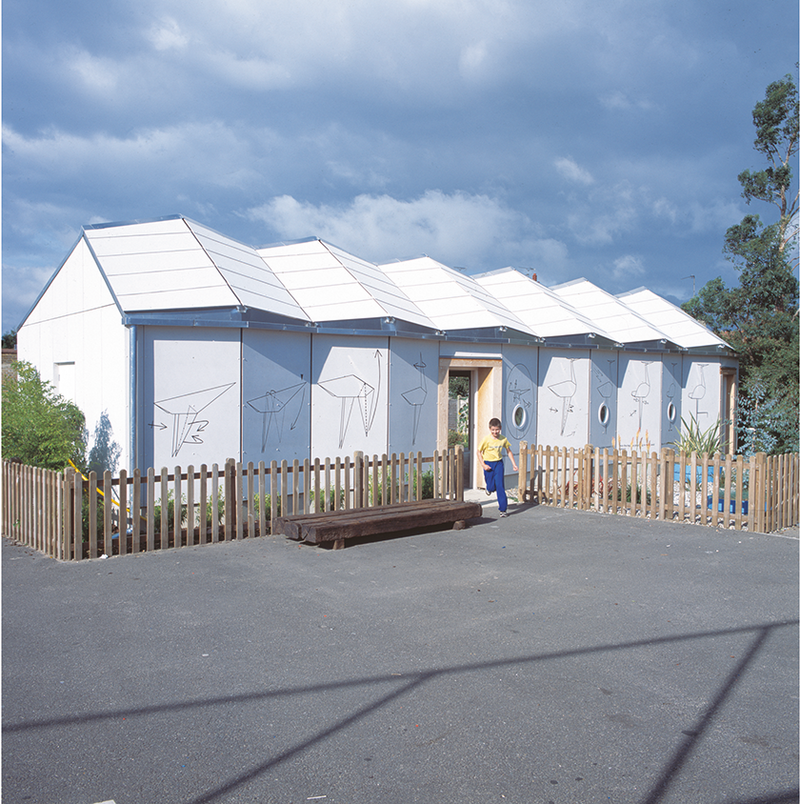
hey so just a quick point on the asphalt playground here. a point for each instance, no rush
(553, 656)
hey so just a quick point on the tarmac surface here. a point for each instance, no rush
(553, 656)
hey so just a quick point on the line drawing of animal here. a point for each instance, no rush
(566, 391)
(699, 391)
(273, 405)
(641, 392)
(351, 388)
(185, 409)
(416, 396)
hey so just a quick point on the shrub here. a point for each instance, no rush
(693, 439)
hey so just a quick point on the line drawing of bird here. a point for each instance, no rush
(606, 389)
(351, 388)
(416, 396)
(184, 409)
(566, 390)
(699, 391)
(641, 392)
(273, 404)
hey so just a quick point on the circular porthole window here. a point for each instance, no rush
(672, 412)
(519, 416)
(603, 414)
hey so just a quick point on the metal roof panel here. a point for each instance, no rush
(546, 313)
(678, 324)
(608, 312)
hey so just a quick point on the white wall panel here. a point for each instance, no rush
(564, 380)
(75, 330)
(701, 392)
(603, 408)
(349, 396)
(413, 403)
(191, 396)
(639, 422)
(276, 410)
(671, 398)
(520, 374)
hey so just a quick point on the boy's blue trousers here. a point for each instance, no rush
(495, 481)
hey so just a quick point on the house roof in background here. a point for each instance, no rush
(684, 330)
(332, 285)
(451, 299)
(546, 313)
(176, 265)
(622, 323)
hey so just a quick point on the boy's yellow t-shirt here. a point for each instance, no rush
(492, 448)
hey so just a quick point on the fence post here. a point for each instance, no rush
(229, 500)
(239, 502)
(337, 484)
(251, 522)
(151, 505)
(274, 495)
(262, 498)
(203, 533)
(358, 479)
(460, 474)
(189, 505)
(108, 538)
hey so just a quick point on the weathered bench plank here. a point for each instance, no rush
(337, 526)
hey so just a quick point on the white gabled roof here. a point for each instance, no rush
(253, 282)
(452, 300)
(683, 330)
(332, 285)
(608, 312)
(546, 313)
(175, 264)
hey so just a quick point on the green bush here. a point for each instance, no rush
(427, 484)
(40, 427)
(693, 439)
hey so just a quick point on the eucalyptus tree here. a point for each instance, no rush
(758, 317)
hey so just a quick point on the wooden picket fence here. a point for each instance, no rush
(66, 516)
(71, 517)
(759, 493)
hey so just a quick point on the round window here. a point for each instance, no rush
(604, 414)
(519, 416)
(672, 412)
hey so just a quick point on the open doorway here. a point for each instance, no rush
(459, 417)
(482, 378)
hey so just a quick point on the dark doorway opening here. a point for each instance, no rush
(459, 417)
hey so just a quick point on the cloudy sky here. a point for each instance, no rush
(571, 138)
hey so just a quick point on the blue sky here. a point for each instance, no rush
(572, 139)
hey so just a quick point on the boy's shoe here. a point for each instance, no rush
(504, 513)
(488, 493)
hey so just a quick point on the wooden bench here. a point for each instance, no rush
(337, 526)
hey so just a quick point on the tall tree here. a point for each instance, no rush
(759, 316)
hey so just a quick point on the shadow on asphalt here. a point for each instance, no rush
(409, 682)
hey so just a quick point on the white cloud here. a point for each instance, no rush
(249, 73)
(474, 231)
(627, 267)
(198, 153)
(96, 74)
(571, 171)
(472, 59)
(167, 35)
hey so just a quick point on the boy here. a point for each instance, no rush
(492, 446)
